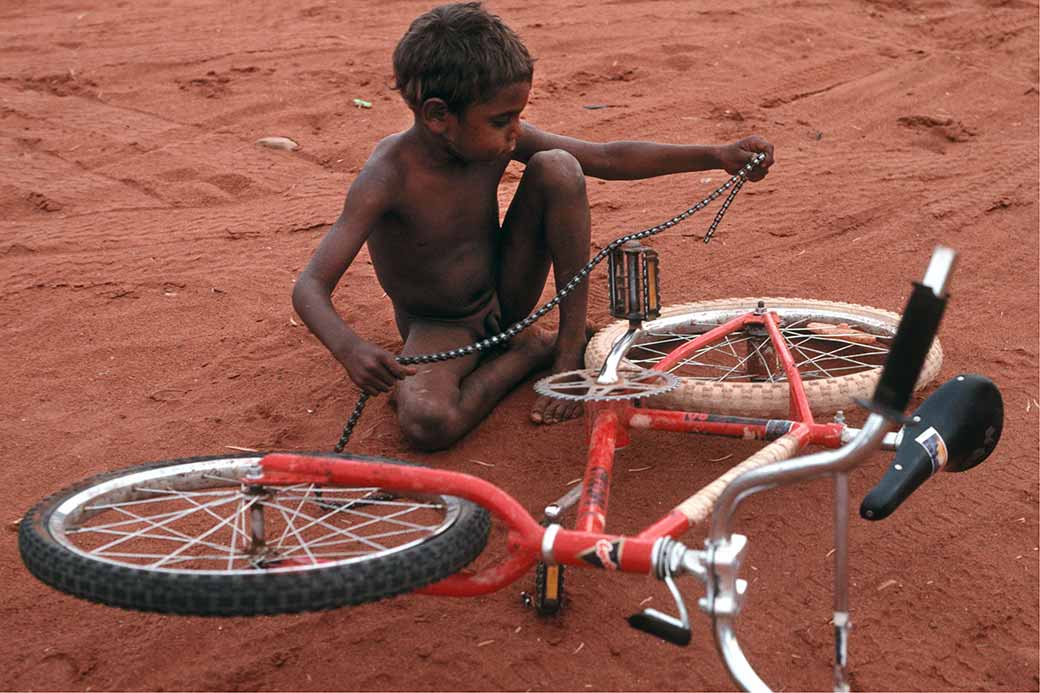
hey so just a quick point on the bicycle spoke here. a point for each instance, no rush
(329, 541)
(813, 357)
(190, 497)
(352, 533)
(288, 524)
(196, 540)
(288, 517)
(763, 360)
(205, 515)
(817, 355)
(725, 349)
(239, 528)
(159, 525)
(157, 537)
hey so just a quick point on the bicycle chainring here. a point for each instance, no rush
(581, 385)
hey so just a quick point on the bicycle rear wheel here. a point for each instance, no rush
(191, 536)
(839, 349)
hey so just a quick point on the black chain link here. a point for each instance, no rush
(734, 185)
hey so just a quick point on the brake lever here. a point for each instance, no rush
(671, 558)
(674, 630)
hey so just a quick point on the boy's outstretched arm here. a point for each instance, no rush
(372, 368)
(627, 160)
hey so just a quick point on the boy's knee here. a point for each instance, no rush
(431, 427)
(558, 171)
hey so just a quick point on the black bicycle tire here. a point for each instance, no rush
(316, 589)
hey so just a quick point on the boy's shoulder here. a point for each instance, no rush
(388, 155)
(385, 166)
(394, 160)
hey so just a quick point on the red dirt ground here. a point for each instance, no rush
(149, 248)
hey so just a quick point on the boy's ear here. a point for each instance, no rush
(436, 115)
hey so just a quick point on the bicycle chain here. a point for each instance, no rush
(736, 182)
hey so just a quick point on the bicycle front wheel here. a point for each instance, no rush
(192, 537)
(839, 349)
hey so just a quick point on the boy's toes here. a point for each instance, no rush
(538, 410)
(568, 410)
(548, 410)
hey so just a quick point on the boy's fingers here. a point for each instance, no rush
(397, 370)
(387, 377)
(402, 371)
(760, 146)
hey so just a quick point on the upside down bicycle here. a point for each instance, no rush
(288, 532)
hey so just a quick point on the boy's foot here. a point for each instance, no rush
(549, 410)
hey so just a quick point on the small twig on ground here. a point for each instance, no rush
(241, 449)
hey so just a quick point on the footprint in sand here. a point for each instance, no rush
(947, 128)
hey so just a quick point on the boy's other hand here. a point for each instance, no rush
(373, 369)
(736, 155)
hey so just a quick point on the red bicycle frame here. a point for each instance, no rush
(607, 425)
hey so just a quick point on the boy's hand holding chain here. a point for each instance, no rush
(734, 184)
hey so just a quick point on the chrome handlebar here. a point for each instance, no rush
(718, 565)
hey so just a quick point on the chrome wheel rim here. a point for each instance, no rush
(202, 517)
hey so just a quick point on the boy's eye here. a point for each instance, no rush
(500, 122)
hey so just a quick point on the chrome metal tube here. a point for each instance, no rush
(891, 440)
(562, 504)
(791, 471)
(837, 462)
(739, 667)
(841, 580)
(841, 541)
(608, 373)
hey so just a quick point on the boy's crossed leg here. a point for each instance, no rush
(444, 401)
(548, 222)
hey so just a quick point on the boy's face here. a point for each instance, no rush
(489, 130)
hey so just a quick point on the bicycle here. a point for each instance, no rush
(288, 532)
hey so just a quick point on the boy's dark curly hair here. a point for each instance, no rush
(460, 53)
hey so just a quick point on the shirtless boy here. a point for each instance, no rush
(426, 203)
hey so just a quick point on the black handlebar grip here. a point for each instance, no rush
(953, 430)
(924, 311)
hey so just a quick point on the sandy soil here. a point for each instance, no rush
(149, 247)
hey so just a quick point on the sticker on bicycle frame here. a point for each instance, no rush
(605, 554)
(935, 446)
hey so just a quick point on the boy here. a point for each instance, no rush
(426, 203)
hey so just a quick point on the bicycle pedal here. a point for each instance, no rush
(548, 597)
(661, 625)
